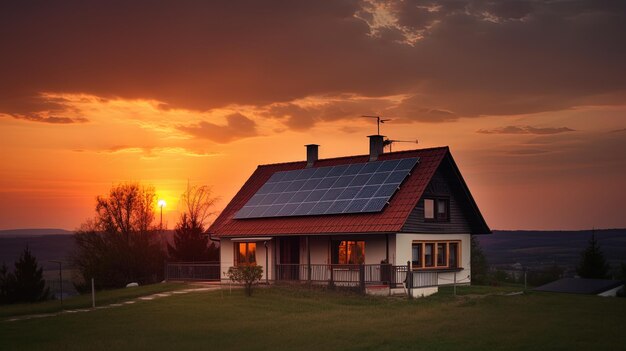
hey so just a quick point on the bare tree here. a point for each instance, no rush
(191, 243)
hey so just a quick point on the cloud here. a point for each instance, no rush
(451, 59)
(525, 130)
(51, 119)
(150, 151)
(237, 127)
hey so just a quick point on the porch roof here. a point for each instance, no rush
(390, 220)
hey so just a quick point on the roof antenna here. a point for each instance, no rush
(390, 142)
(379, 120)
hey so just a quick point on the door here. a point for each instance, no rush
(289, 249)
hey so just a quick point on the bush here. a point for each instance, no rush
(247, 275)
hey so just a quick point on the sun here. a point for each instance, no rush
(161, 203)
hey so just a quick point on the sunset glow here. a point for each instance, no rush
(535, 121)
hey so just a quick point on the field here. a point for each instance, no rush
(297, 318)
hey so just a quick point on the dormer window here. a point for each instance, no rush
(437, 209)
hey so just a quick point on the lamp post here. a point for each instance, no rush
(60, 279)
(161, 204)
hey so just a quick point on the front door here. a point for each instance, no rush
(289, 258)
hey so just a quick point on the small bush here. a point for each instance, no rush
(247, 274)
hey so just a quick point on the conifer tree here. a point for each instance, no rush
(592, 262)
(29, 283)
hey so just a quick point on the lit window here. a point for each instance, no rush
(348, 252)
(246, 253)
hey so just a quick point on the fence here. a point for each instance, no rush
(201, 271)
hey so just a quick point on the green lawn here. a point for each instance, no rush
(84, 301)
(290, 318)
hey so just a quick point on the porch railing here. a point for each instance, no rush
(360, 275)
(201, 271)
(343, 274)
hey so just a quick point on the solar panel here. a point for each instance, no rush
(354, 188)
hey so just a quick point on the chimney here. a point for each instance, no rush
(311, 154)
(376, 146)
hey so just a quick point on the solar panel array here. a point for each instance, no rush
(352, 188)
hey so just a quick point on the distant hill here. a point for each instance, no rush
(545, 248)
(33, 232)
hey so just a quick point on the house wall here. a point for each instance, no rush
(404, 253)
(375, 247)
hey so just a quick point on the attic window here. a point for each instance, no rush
(437, 210)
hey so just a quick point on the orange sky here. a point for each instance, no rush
(91, 98)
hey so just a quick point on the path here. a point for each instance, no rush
(113, 305)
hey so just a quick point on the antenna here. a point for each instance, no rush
(379, 120)
(390, 142)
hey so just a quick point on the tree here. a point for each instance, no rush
(191, 243)
(29, 285)
(479, 266)
(121, 244)
(592, 264)
(7, 285)
(246, 274)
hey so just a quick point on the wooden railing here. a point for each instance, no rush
(201, 271)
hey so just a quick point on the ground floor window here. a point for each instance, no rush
(435, 254)
(348, 252)
(245, 253)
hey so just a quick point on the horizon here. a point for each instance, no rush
(536, 125)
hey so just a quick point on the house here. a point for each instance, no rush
(398, 220)
(600, 287)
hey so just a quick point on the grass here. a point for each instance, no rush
(297, 318)
(84, 301)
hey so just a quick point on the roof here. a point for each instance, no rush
(580, 286)
(390, 220)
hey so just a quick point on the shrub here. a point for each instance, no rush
(247, 275)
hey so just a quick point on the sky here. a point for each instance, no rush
(529, 95)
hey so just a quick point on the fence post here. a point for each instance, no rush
(454, 283)
(525, 279)
(93, 294)
(362, 278)
(409, 278)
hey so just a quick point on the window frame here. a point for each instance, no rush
(445, 216)
(435, 254)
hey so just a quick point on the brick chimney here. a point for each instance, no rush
(376, 146)
(311, 154)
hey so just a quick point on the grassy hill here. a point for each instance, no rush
(298, 319)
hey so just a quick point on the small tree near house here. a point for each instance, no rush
(246, 274)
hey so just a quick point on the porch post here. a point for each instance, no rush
(308, 259)
(386, 248)
(274, 274)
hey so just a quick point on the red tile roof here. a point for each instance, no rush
(391, 219)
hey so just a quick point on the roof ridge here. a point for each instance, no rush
(352, 156)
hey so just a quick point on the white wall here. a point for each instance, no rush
(404, 241)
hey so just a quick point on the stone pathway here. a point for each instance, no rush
(113, 305)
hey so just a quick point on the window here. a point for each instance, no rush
(435, 254)
(245, 253)
(437, 210)
(454, 253)
(348, 252)
(417, 255)
(442, 249)
(429, 208)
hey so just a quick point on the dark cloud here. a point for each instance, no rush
(51, 119)
(525, 130)
(472, 57)
(237, 126)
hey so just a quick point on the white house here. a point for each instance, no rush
(379, 221)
